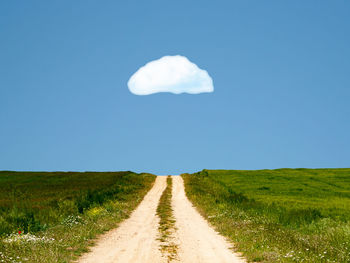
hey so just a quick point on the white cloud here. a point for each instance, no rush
(175, 74)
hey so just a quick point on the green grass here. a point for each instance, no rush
(60, 213)
(167, 223)
(283, 215)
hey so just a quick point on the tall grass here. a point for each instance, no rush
(284, 215)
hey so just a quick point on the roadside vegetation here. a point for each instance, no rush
(54, 216)
(283, 215)
(167, 223)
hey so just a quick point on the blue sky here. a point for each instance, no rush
(280, 71)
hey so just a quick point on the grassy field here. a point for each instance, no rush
(283, 215)
(54, 216)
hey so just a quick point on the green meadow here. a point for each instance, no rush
(54, 216)
(283, 215)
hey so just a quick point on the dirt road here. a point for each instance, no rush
(135, 240)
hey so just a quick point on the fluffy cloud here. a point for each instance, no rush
(175, 74)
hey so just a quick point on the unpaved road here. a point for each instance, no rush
(198, 242)
(135, 240)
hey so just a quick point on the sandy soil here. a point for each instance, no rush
(135, 240)
(197, 241)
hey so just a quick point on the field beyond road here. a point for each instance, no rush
(283, 215)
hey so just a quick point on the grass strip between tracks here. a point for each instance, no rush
(167, 223)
